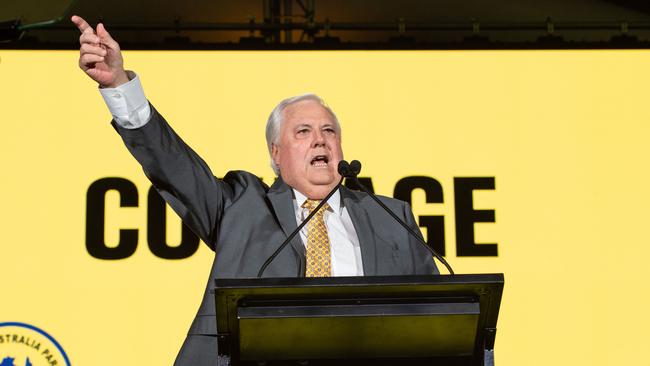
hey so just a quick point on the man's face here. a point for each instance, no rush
(309, 149)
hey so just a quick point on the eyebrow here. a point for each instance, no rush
(306, 125)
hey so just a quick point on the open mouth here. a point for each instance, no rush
(320, 161)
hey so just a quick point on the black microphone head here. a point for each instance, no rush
(344, 168)
(355, 167)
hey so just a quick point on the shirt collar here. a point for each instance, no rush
(334, 202)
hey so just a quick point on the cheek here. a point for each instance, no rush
(294, 157)
(337, 149)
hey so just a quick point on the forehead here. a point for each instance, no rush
(306, 112)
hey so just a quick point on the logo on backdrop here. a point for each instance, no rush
(26, 345)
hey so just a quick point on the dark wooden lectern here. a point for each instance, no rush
(411, 320)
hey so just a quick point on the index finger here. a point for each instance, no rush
(81, 24)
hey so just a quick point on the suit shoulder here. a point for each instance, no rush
(244, 180)
(393, 203)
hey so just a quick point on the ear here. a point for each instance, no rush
(275, 154)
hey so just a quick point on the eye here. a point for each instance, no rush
(329, 130)
(303, 132)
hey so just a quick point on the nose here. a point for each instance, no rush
(319, 138)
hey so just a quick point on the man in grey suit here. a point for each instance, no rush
(241, 218)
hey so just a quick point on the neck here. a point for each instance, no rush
(315, 192)
(318, 192)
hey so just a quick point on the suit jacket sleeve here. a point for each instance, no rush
(180, 175)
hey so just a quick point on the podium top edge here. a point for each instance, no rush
(488, 278)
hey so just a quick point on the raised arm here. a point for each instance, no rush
(178, 173)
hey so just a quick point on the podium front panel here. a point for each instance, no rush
(358, 331)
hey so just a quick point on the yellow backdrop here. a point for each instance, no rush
(564, 134)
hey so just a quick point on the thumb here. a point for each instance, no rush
(106, 38)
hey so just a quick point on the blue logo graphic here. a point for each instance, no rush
(8, 361)
(24, 344)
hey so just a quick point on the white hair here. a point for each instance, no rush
(275, 120)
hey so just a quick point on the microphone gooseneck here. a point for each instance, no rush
(302, 224)
(352, 170)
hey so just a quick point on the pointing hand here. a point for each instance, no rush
(100, 56)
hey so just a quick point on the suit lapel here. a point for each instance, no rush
(281, 199)
(361, 224)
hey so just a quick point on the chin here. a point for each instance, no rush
(324, 178)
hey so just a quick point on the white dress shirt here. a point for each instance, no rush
(130, 109)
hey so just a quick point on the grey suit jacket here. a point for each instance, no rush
(244, 221)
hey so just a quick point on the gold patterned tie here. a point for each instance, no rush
(319, 263)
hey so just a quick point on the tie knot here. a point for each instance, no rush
(311, 205)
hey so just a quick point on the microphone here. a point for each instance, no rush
(355, 168)
(342, 167)
(351, 171)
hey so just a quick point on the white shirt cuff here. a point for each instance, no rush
(127, 103)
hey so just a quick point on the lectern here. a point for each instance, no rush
(383, 320)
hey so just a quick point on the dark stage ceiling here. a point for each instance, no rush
(333, 24)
